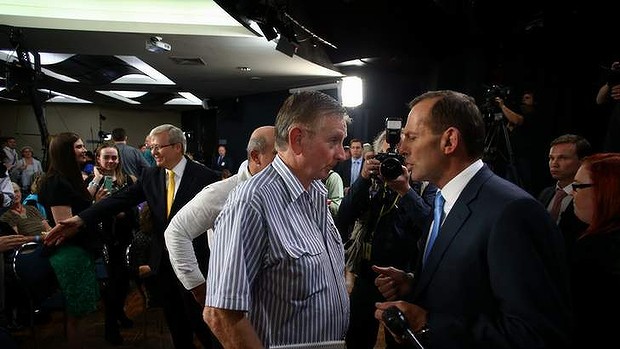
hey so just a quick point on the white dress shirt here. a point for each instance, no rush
(356, 168)
(178, 174)
(196, 217)
(452, 190)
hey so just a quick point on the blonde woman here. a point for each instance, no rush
(116, 233)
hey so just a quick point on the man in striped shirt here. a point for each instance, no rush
(276, 273)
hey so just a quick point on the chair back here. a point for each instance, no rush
(34, 271)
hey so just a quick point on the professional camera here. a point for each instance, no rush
(490, 108)
(391, 161)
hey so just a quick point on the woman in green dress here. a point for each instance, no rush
(64, 194)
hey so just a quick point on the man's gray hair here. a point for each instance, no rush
(256, 143)
(175, 134)
(377, 144)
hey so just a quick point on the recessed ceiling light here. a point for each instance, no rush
(244, 69)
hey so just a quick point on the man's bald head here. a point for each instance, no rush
(261, 148)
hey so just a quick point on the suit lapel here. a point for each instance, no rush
(451, 227)
(160, 183)
(547, 196)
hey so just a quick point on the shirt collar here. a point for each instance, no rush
(244, 173)
(567, 189)
(292, 183)
(455, 186)
(180, 167)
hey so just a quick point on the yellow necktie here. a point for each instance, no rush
(170, 194)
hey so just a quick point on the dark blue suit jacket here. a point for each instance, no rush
(151, 187)
(497, 276)
(343, 168)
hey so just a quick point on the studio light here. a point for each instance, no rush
(351, 91)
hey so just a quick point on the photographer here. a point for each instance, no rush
(388, 216)
(610, 92)
(526, 138)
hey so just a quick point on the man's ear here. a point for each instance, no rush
(254, 157)
(450, 140)
(295, 138)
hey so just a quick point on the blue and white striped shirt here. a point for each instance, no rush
(276, 254)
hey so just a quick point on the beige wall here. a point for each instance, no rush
(19, 121)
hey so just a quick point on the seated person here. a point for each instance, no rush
(25, 220)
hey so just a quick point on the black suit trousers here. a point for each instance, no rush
(179, 307)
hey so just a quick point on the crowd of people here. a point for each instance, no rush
(308, 242)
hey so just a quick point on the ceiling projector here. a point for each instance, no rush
(154, 44)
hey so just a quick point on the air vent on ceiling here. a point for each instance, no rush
(188, 60)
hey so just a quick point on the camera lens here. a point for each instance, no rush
(391, 168)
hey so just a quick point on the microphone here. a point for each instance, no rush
(397, 323)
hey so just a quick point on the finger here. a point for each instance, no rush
(378, 269)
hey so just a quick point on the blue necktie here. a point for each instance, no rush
(437, 214)
(355, 170)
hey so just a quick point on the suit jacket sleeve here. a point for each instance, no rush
(352, 206)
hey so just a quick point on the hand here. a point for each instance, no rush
(200, 294)
(391, 282)
(499, 101)
(63, 230)
(615, 92)
(370, 167)
(102, 193)
(416, 316)
(144, 271)
(401, 183)
(9, 242)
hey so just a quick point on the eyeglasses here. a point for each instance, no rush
(158, 147)
(577, 186)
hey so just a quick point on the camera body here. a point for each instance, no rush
(490, 108)
(391, 161)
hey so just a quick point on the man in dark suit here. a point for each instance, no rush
(166, 188)
(222, 161)
(493, 271)
(349, 170)
(565, 157)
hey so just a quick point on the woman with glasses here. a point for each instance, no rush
(596, 259)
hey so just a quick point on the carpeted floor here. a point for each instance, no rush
(149, 330)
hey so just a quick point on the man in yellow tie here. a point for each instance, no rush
(165, 194)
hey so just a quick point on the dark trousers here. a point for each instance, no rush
(183, 314)
(363, 326)
(116, 286)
